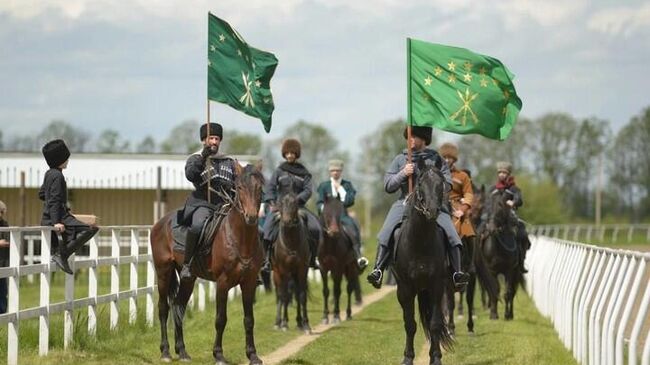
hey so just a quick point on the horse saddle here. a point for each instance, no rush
(204, 245)
(507, 240)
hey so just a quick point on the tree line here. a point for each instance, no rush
(557, 159)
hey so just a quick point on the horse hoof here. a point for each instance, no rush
(325, 321)
(256, 362)
(494, 316)
(165, 359)
(348, 318)
(336, 320)
(407, 361)
(221, 363)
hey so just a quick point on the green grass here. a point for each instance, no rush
(376, 336)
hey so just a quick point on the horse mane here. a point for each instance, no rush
(498, 209)
(250, 171)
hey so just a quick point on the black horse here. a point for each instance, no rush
(498, 251)
(420, 265)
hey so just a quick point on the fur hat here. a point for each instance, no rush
(335, 165)
(215, 130)
(422, 132)
(449, 149)
(291, 145)
(56, 152)
(504, 166)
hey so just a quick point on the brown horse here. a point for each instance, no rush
(235, 259)
(336, 255)
(291, 263)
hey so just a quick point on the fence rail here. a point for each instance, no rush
(597, 298)
(608, 233)
(131, 239)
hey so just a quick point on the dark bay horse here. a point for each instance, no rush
(290, 264)
(420, 266)
(235, 259)
(497, 250)
(336, 256)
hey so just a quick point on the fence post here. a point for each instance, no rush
(615, 234)
(45, 276)
(135, 249)
(115, 278)
(201, 285)
(30, 258)
(576, 233)
(150, 281)
(68, 315)
(638, 323)
(630, 231)
(627, 312)
(13, 302)
(92, 286)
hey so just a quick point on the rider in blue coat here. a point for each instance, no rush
(338, 187)
(396, 178)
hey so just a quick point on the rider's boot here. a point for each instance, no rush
(383, 258)
(190, 245)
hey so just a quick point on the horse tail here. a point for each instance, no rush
(487, 281)
(425, 305)
(174, 285)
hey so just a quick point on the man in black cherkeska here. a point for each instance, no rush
(201, 167)
(54, 194)
(290, 176)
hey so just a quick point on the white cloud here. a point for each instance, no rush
(623, 21)
(546, 13)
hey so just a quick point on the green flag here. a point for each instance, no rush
(238, 74)
(460, 91)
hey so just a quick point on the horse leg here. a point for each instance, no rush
(510, 294)
(167, 283)
(180, 305)
(407, 300)
(356, 285)
(303, 304)
(494, 313)
(326, 294)
(337, 297)
(248, 296)
(451, 305)
(461, 310)
(351, 285)
(471, 288)
(437, 329)
(220, 324)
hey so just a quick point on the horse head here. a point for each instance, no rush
(289, 209)
(499, 210)
(428, 195)
(331, 215)
(248, 185)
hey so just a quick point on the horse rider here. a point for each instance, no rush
(54, 194)
(396, 178)
(290, 176)
(461, 197)
(207, 171)
(342, 189)
(506, 182)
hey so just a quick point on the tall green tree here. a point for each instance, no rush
(109, 141)
(75, 138)
(183, 139)
(240, 143)
(147, 145)
(318, 147)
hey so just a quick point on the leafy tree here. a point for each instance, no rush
(22, 144)
(239, 143)
(147, 145)
(109, 141)
(183, 139)
(74, 137)
(318, 147)
(542, 201)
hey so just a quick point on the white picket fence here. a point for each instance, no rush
(597, 299)
(603, 232)
(133, 239)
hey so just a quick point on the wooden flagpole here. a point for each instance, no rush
(409, 120)
(207, 124)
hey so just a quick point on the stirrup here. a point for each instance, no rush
(186, 272)
(362, 263)
(375, 278)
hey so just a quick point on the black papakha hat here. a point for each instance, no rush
(422, 132)
(215, 130)
(56, 152)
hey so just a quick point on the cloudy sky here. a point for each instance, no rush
(140, 66)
